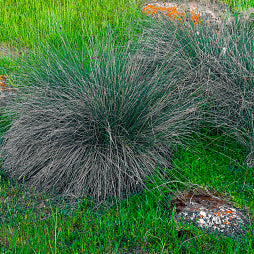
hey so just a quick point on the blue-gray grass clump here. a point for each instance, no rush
(220, 57)
(87, 124)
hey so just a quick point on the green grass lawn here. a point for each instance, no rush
(34, 19)
(39, 223)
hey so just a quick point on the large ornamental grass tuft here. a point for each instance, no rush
(87, 125)
(218, 56)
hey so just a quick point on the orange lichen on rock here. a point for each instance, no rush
(2, 77)
(2, 83)
(172, 12)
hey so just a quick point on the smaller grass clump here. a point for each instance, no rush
(85, 124)
(220, 57)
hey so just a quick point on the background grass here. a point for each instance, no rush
(20, 19)
(239, 5)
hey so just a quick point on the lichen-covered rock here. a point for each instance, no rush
(175, 9)
(210, 212)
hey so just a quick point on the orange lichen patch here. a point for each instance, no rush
(201, 216)
(209, 23)
(227, 212)
(2, 77)
(219, 213)
(3, 85)
(171, 12)
(229, 218)
(3, 81)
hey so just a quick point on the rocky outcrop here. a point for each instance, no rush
(211, 212)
